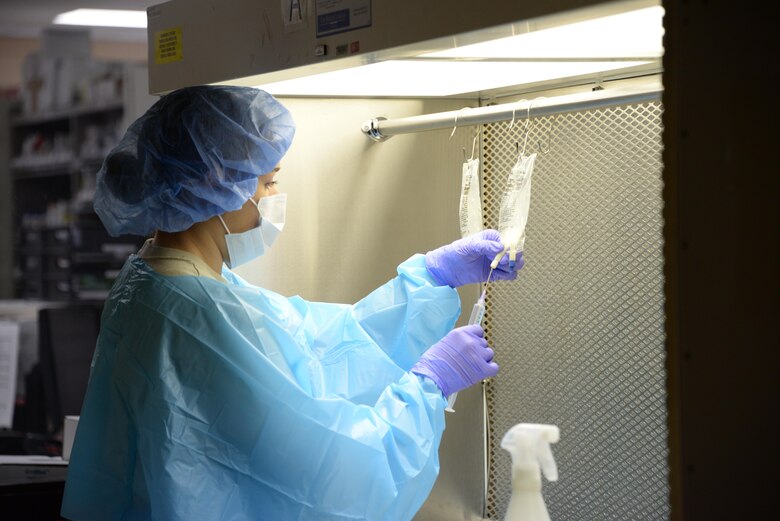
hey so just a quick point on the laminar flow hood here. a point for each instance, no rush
(401, 48)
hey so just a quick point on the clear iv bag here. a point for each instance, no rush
(513, 215)
(470, 202)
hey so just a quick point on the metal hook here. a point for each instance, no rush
(528, 121)
(527, 127)
(456, 121)
(549, 137)
(474, 143)
(512, 124)
(473, 146)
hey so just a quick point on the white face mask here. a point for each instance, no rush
(246, 246)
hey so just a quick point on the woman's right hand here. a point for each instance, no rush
(457, 361)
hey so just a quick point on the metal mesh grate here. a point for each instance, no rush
(580, 335)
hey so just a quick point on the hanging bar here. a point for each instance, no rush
(380, 128)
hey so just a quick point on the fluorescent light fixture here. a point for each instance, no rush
(635, 34)
(103, 18)
(577, 50)
(433, 78)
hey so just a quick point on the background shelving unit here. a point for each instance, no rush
(61, 249)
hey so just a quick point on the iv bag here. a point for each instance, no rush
(513, 215)
(470, 202)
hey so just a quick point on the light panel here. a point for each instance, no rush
(632, 34)
(577, 50)
(433, 78)
(103, 18)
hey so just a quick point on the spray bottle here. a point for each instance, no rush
(529, 445)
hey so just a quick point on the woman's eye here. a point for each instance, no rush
(271, 184)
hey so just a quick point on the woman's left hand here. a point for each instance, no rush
(467, 260)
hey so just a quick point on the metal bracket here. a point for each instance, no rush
(371, 129)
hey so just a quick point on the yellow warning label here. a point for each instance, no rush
(167, 45)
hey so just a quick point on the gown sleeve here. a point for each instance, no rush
(408, 314)
(404, 317)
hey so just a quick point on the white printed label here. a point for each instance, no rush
(294, 13)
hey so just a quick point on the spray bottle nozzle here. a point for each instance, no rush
(529, 445)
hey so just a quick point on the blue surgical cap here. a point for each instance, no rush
(196, 153)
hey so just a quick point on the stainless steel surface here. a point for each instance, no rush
(580, 335)
(459, 491)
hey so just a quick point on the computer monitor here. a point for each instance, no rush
(67, 337)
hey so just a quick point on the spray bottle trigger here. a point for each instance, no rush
(546, 460)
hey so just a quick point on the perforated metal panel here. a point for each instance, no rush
(580, 335)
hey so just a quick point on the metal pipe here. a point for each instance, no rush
(380, 128)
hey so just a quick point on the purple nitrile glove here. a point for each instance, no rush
(467, 260)
(459, 360)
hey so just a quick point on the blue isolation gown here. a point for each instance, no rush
(214, 401)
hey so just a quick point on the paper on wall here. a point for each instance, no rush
(9, 359)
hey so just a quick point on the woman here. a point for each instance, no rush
(213, 399)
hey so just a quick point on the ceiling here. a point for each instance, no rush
(27, 18)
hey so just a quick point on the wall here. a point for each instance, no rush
(356, 210)
(12, 54)
(14, 50)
